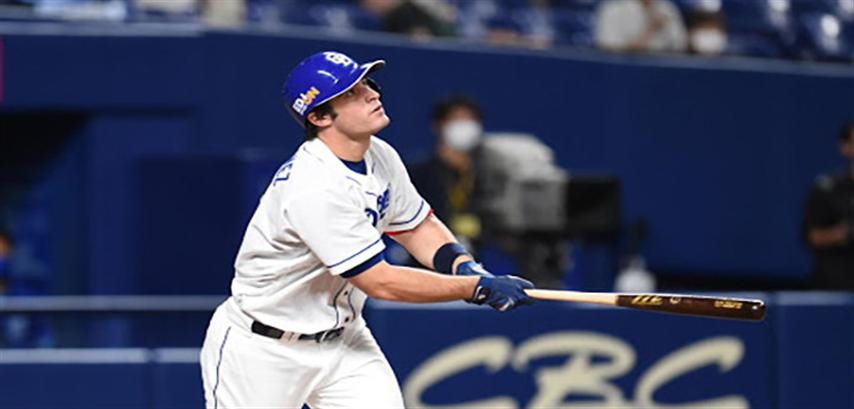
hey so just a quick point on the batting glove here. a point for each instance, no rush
(502, 293)
(472, 268)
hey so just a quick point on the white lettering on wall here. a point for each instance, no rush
(579, 376)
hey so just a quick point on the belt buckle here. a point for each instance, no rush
(328, 335)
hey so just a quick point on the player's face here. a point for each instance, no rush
(360, 112)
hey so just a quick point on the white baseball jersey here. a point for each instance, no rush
(317, 220)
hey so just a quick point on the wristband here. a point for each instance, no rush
(443, 260)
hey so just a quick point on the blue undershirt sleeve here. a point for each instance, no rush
(364, 266)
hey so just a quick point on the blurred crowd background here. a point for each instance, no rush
(789, 29)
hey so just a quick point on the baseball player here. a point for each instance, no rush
(292, 332)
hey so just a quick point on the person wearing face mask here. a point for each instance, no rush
(707, 33)
(447, 179)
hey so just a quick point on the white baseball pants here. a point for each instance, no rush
(241, 369)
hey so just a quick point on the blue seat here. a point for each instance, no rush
(755, 45)
(822, 36)
(815, 6)
(762, 28)
(336, 15)
(574, 27)
(575, 5)
(848, 32)
(535, 23)
(757, 15)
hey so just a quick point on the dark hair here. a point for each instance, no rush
(443, 108)
(846, 131)
(320, 111)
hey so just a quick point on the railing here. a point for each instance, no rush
(110, 303)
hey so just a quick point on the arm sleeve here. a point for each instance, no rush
(334, 226)
(408, 209)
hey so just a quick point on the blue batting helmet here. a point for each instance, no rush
(321, 77)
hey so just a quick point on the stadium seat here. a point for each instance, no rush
(761, 28)
(536, 24)
(336, 15)
(821, 37)
(576, 5)
(755, 45)
(574, 27)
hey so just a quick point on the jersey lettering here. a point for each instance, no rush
(284, 172)
(383, 202)
(372, 214)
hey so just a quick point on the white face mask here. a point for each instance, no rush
(708, 41)
(462, 135)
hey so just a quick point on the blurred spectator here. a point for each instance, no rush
(707, 33)
(418, 19)
(829, 222)
(160, 10)
(223, 13)
(640, 25)
(214, 13)
(455, 180)
(447, 179)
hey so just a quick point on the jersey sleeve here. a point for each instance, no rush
(335, 228)
(409, 209)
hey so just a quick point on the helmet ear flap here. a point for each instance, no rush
(374, 86)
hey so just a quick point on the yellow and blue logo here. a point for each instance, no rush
(305, 99)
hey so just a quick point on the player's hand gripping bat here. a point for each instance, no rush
(703, 306)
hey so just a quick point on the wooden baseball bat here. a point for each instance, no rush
(703, 306)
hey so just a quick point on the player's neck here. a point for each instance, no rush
(347, 148)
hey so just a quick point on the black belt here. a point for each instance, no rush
(271, 332)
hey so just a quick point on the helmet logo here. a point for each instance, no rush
(304, 100)
(338, 58)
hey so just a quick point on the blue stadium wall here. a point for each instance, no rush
(552, 355)
(176, 133)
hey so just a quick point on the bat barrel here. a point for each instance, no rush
(733, 308)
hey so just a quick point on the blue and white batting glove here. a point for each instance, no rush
(472, 268)
(502, 293)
